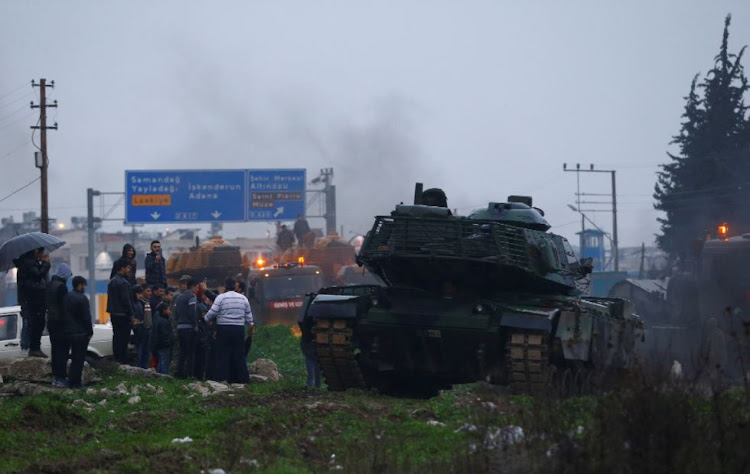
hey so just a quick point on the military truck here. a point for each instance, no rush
(213, 261)
(330, 253)
(276, 292)
(712, 282)
(492, 296)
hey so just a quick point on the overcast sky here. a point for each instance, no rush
(483, 99)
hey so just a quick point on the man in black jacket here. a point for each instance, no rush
(77, 328)
(155, 266)
(56, 290)
(284, 239)
(186, 316)
(301, 228)
(120, 309)
(33, 271)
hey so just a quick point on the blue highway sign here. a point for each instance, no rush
(275, 195)
(185, 196)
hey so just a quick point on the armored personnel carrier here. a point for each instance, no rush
(492, 296)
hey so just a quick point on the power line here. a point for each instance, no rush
(20, 109)
(12, 91)
(23, 97)
(24, 118)
(32, 136)
(52, 208)
(22, 145)
(21, 188)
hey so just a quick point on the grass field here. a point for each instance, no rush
(282, 427)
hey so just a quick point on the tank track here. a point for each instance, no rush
(336, 354)
(527, 362)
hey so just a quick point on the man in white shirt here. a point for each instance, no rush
(231, 311)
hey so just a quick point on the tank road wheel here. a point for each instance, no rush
(579, 382)
(566, 383)
(553, 380)
(588, 382)
(335, 348)
(527, 362)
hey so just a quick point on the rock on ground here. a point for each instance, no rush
(502, 437)
(35, 369)
(26, 388)
(255, 378)
(218, 386)
(139, 372)
(266, 368)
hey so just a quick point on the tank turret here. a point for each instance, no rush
(504, 247)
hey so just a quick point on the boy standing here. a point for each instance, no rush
(161, 338)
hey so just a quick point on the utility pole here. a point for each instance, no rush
(41, 161)
(582, 240)
(90, 193)
(643, 259)
(330, 193)
(329, 196)
(92, 226)
(615, 245)
(614, 222)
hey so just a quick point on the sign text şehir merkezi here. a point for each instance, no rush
(166, 196)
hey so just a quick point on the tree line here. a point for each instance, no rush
(707, 180)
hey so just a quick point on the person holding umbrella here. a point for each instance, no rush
(33, 272)
(27, 253)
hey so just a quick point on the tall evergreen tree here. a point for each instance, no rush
(708, 180)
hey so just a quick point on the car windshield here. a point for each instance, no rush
(275, 288)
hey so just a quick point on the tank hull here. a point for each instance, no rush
(376, 337)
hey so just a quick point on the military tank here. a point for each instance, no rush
(213, 261)
(492, 296)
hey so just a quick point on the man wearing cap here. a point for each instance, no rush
(55, 294)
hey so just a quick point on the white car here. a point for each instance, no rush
(11, 322)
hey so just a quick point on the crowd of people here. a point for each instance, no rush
(67, 315)
(190, 331)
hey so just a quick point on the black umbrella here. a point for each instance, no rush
(19, 245)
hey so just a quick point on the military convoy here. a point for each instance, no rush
(489, 296)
